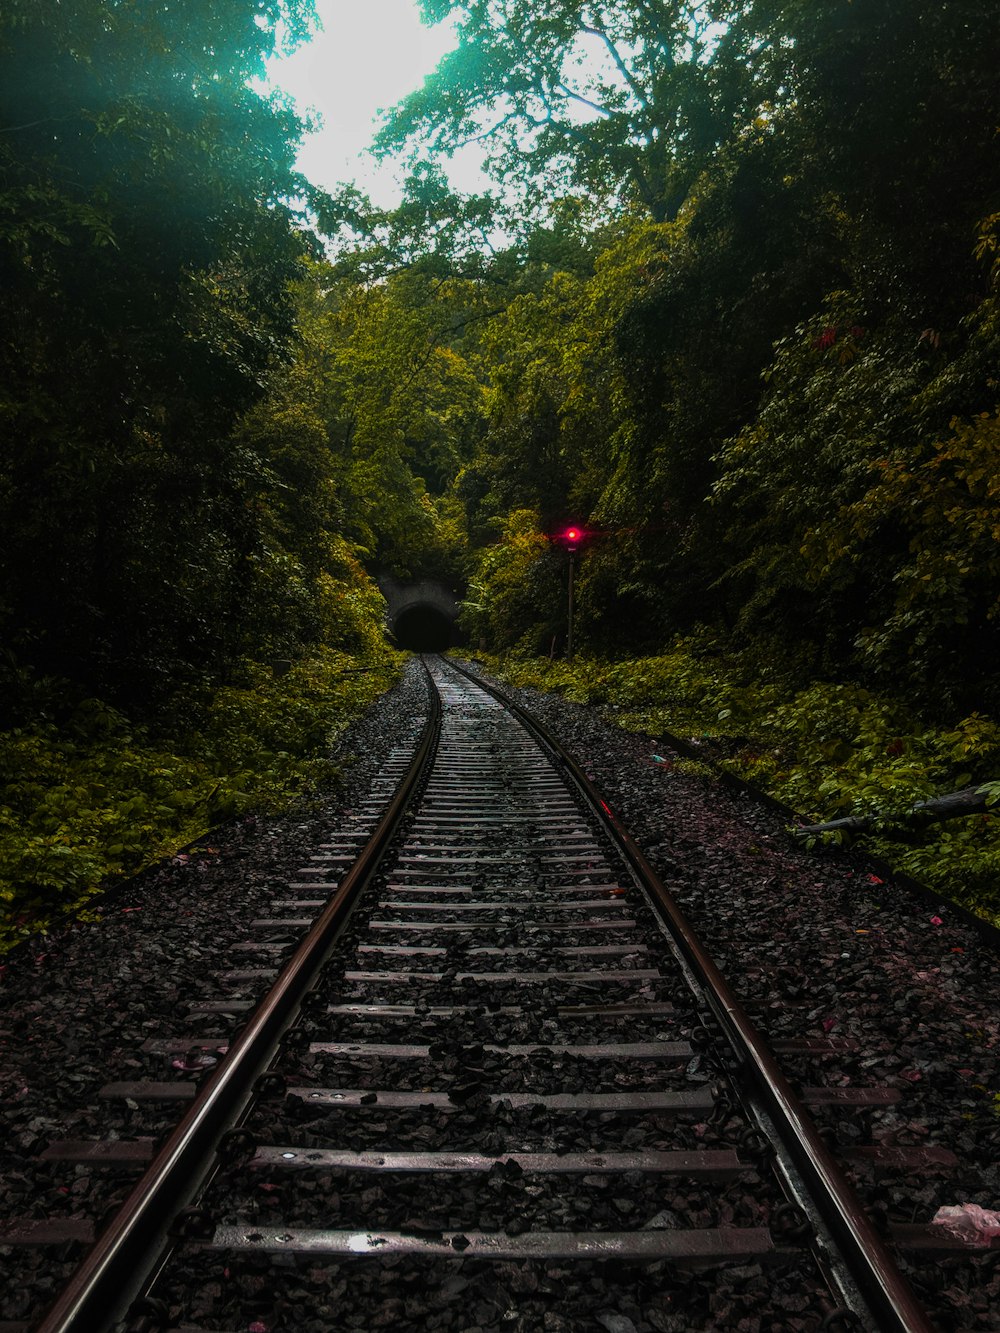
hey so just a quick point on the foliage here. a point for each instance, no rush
(432, 231)
(825, 749)
(147, 243)
(941, 627)
(715, 397)
(514, 593)
(91, 796)
(838, 398)
(607, 96)
(855, 506)
(559, 423)
(892, 111)
(373, 419)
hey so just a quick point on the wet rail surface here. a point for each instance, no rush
(497, 1079)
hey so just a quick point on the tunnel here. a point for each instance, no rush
(423, 628)
(421, 614)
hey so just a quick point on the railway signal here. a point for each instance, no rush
(571, 538)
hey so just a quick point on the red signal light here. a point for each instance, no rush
(570, 538)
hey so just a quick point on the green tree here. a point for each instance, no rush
(432, 229)
(516, 596)
(838, 398)
(605, 96)
(892, 110)
(146, 251)
(381, 407)
(859, 503)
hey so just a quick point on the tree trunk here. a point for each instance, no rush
(968, 801)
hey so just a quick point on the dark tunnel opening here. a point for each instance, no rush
(424, 629)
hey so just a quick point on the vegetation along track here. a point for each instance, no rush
(498, 1083)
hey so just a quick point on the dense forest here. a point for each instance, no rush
(732, 308)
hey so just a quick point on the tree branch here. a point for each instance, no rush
(579, 97)
(561, 126)
(967, 801)
(595, 30)
(664, 41)
(494, 129)
(30, 125)
(646, 192)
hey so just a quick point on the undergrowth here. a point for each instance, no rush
(826, 749)
(88, 796)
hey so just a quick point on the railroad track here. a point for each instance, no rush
(496, 1083)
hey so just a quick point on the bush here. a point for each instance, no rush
(95, 797)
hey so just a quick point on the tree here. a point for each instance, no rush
(432, 229)
(891, 110)
(516, 596)
(381, 404)
(146, 251)
(604, 96)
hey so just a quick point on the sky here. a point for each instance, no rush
(370, 54)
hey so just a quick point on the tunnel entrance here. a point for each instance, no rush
(423, 628)
(421, 615)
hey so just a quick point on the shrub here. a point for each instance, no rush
(97, 797)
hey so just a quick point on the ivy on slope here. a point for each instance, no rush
(824, 748)
(88, 796)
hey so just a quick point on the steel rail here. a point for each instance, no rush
(132, 1246)
(869, 1262)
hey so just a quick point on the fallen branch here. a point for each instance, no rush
(967, 801)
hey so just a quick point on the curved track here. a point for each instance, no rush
(497, 1048)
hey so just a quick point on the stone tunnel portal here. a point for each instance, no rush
(421, 616)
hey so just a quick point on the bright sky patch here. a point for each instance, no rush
(370, 54)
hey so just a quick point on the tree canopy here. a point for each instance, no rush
(146, 250)
(599, 96)
(732, 306)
